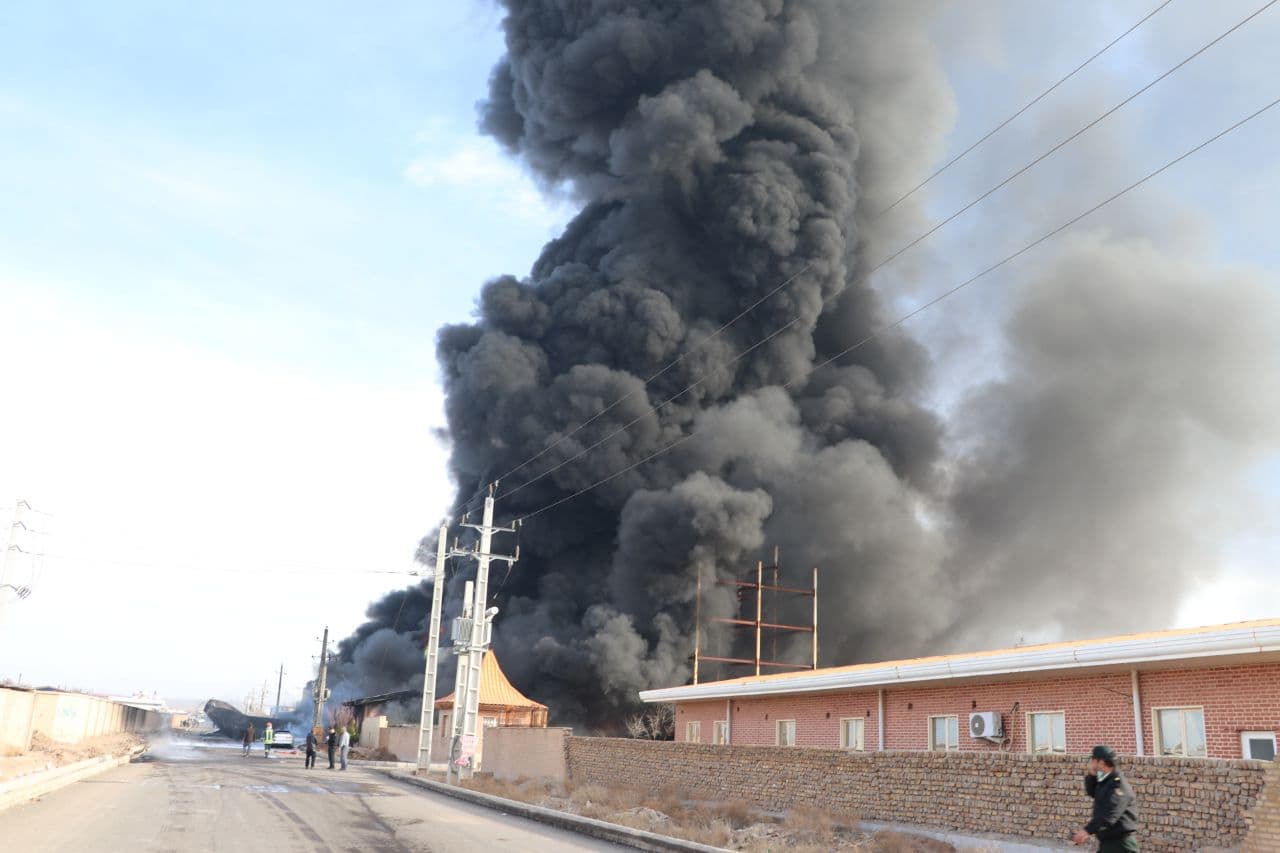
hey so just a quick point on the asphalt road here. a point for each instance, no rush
(199, 799)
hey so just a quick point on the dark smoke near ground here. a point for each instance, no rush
(717, 149)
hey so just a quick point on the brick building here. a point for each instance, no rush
(1211, 692)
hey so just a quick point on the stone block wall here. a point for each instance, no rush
(1264, 837)
(1185, 804)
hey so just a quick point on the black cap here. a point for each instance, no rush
(1104, 753)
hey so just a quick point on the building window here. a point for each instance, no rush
(444, 722)
(851, 733)
(490, 722)
(786, 732)
(1260, 746)
(693, 732)
(1047, 731)
(944, 733)
(1180, 731)
(720, 731)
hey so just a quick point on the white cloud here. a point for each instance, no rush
(477, 167)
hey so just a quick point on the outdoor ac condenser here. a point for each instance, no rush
(986, 725)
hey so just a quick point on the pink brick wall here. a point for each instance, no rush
(1235, 699)
(1098, 709)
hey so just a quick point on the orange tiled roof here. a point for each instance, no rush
(495, 689)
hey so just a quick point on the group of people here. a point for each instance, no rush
(334, 741)
(337, 742)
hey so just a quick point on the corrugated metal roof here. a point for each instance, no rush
(495, 689)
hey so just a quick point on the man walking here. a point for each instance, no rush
(312, 743)
(249, 734)
(332, 742)
(268, 738)
(344, 746)
(1115, 815)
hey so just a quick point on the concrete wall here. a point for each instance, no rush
(74, 717)
(15, 720)
(537, 753)
(400, 741)
(1185, 804)
(1097, 709)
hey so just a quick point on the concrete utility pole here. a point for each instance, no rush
(427, 722)
(322, 692)
(279, 688)
(466, 697)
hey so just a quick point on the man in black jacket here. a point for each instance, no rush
(332, 742)
(313, 744)
(1115, 816)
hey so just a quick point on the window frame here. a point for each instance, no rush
(1031, 743)
(485, 721)
(950, 718)
(693, 731)
(719, 732)
(862, 734)
(1158, 732)
(1261, 734)
(777, 732)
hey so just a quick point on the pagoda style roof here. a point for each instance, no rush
(495, 690)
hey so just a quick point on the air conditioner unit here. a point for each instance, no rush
(986, 725)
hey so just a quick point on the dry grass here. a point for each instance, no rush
(886, 841)
(738, 813)
(809, 819)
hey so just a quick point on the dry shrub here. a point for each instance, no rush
(737, 813)
(666, 800)
(717, 833)
(809, 819)
(589, 794)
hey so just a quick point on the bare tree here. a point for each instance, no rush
(656, 724)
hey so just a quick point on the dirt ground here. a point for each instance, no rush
(46, 754)
(735, 825)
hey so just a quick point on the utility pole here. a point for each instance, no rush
(427, 722)
(279, 688)
(322, 692)
(11, 548)
(466, 697)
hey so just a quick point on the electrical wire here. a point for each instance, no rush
(653, 409)
(946, 294)
(879, 215)
(701, 343)
(1028, 105)
(1072, 137)
(883, 263)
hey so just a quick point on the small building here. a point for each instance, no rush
(501, 704)
(374, 710)
(1211, 692)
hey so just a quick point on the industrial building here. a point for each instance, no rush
(1210, 692)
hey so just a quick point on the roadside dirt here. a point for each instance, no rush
(45, 754)
(733, 826)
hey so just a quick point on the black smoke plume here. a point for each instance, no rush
(719, 148)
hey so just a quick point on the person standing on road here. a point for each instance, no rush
(249, 734)
(332, 742)
(344, 746)
(312, 743)
(1115, 815)
(268, 738)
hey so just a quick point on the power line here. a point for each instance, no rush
(1028, 105)
(653, 409)
(701, 343)
(866, 275)
(304, 569)
(1072, 137)
(957, 288)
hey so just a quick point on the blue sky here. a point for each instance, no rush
(229, 232)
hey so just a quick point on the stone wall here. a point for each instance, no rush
(1184, 804)
(1265, 835)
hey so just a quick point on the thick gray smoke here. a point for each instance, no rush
(718, 148)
